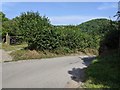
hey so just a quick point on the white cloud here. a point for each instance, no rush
(65, 20)
(106, 6)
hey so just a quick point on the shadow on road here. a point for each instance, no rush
(87, 60)
(78, 74)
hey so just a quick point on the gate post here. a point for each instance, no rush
(7, 39)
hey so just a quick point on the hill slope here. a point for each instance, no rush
(94, 26)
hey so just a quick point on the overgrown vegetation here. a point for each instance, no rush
(104, 72)
(41, 35)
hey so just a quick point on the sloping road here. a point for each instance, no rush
(4, 56)
(44, 73)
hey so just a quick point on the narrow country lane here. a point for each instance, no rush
(44, 73)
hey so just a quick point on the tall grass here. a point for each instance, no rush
(104, 72)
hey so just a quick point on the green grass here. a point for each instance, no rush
(13, 47)
(104, 72)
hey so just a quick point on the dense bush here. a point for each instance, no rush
(45, 40)
(2, 20)
(111, 38)
(33, 28)
(3, 17)
(41, 35)
(55, 38)
(10, 27)
(16, 40)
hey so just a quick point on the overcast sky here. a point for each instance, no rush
(63, 13)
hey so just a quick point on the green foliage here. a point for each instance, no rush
(3, 17)
(34, 28)
(41, 35)
(110, 41)
(95, 26)
(104, 71)
(95, 30)
(45, 40)
(10, 27)
(31, 24)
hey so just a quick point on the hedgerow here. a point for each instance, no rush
(40, 34)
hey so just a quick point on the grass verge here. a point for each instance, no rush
(30, 54)
(21, 52)
(13, 47)
(104, 72)
(33, 54)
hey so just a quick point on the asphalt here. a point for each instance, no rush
(44, 73)
(4, 56)
(0, 75)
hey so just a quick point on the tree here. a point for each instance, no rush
(32, 25)
(3, 17)
(2, 20)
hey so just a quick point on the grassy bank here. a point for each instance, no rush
(28, 54)
(33, 54)
(104, 72)
(21, 52)
(25, 54)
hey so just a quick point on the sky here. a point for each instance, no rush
(63, 13)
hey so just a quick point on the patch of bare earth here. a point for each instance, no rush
(4, 56)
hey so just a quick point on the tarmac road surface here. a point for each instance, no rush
(43, 73)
